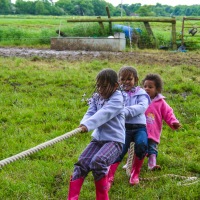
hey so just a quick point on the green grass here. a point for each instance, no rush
(32, 31)
(41, 99)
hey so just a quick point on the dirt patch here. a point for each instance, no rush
(159, 57)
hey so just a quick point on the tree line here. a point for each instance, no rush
(93, 8)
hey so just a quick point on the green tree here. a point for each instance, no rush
(23, 7)
(93, 8)
(83, 7)
(66, 5)
(159, 10)
(99, 7)
(145, 11)
(39, 8)
(77, 7)
(177, 11)
(135, 7)
(131, 9)
(47, 6)
(5, 7)
(188, 11)
(169, 9)
(119, 11)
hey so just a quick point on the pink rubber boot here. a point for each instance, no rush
(111, 174)
(102, 189)
(135, 172)
(152, 163)
(74, 189)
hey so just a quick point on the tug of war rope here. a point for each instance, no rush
(38, 147)
(186, 180)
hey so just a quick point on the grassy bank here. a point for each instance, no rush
(42, 99)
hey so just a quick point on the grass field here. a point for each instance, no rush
(42, 99)
(36, 31)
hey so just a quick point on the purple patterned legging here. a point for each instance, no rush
(97, 157)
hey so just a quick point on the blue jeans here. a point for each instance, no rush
(139, 137)
(152, 147)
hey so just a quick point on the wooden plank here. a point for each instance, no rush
(174, 45)
(191, 18)
(101, 26)
(110, 23)
(148, 28)
(150, 32)
(182, 32)
(164, 20)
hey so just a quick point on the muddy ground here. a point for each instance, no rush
(158, 57)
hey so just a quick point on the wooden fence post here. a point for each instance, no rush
(110, 23)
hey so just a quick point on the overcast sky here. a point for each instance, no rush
(153, 2)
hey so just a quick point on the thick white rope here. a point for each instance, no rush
(38, 147)
(186, 180)
(130, 159)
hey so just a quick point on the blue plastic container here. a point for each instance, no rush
(127, 30)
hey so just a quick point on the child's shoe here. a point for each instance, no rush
(135, 172)
(152, 163)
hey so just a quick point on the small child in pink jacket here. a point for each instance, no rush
(157, 111)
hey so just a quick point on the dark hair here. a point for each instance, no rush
(126, 71)
(107, 75)
(157, 80)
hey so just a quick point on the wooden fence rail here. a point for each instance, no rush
(135, 19)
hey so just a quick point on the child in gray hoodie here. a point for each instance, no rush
(105, 116)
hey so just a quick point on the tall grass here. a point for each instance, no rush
(42, 99)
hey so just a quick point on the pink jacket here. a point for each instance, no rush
(157, 111)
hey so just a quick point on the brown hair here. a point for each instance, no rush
(156, 79)
(126, 71)
(108, 77)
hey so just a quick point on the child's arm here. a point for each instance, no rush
(169, 117)
(139, 108)
(112, 108)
